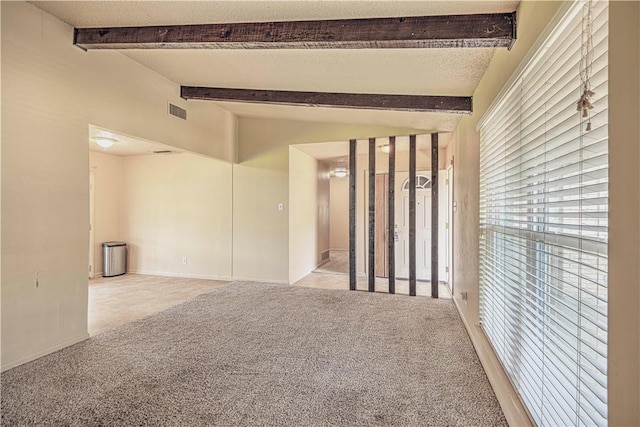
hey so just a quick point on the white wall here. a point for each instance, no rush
(176, 206)
(107, 193)
(51, 91)
(339, 213)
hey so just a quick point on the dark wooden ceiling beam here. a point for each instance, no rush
(480, 30)
(421, 103)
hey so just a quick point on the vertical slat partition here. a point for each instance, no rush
(372, 214)
(412, 215)
(434, 215)
(352, 214)
(391, 232)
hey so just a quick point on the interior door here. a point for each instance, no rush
(423, 225)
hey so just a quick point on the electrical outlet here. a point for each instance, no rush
(463, 295)
(36, 278)
(184, 260)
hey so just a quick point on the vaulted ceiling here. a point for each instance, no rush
(444, 71)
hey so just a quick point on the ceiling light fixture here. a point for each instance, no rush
(385, 148)
(340, 172)
(105, 142)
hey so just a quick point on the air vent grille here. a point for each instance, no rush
(163, 152)
(176, 111)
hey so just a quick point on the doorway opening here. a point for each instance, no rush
(337, 156)
(401, 228)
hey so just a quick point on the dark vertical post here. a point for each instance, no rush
(391, 232)
(352, 214)
(412, 215)
(372, 214)
(434, 215)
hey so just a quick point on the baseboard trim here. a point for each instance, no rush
(206, 277)
(338, 249)
(512, 407)
(180, 275)
(320, 264)
(22, 360)
(253, 279)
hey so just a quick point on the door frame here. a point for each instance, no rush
(450, 214)
(92, 201)
(401, 214)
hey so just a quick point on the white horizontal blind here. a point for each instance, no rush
(544, 231)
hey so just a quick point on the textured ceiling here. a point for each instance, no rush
(402, 71)
(133, 13)
(393, 71)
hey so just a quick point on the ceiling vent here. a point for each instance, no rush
(164, 152)
(176, 111)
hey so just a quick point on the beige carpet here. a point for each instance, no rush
(256, 354)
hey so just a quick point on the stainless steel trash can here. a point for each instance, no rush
(114, 258)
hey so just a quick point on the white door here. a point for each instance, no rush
(423, 225)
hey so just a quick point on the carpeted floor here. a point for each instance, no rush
(257, 354)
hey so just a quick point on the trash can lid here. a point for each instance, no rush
(111, 244)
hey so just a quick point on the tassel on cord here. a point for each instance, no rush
(584, 104)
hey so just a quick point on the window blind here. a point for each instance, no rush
(544, 230)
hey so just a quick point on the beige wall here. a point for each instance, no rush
(308, 213)
(260, 231)
(107, 170)
(624, 214)
(165, 207)
(176, 206)
(339, 213)
(51, 91)
(303, 217)
(323, 226)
